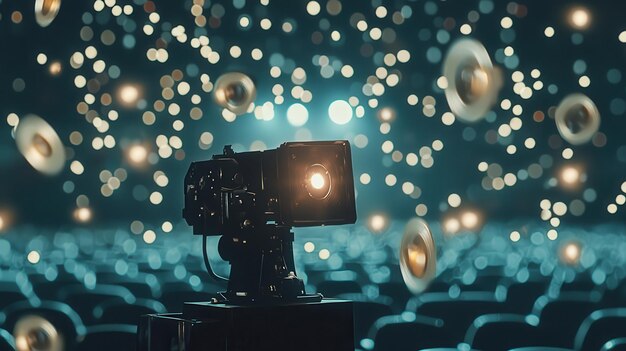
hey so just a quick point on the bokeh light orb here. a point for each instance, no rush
(470, 220)
(137, 154)
(128, 95)
(340, 112)
(579, 18)
(297, 115)
(378, 223)
(82, 214)
(570, 253)
(577, 119)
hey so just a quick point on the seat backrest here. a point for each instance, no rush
(459, 314)
(599, 327)
(561, 331)
(102, 337)
(116, 311)
(503, 331)
(406, 336)
(365, 314)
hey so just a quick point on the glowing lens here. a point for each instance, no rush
(317, 181)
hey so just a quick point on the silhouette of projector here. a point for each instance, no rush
(253, 199)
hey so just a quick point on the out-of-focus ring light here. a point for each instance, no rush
(34, 333)
(317, 181)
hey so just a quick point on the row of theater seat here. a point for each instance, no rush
(488, 290)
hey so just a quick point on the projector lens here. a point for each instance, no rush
(317, 182)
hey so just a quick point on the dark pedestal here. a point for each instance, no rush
(325, 325)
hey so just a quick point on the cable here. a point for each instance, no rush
(207, 263)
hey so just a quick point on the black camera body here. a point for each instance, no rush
(235, 191)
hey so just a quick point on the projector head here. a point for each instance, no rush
(299, 184)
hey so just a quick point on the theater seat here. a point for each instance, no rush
(560, 331)
(114, 311)
(85, 300)
(600, 327)
(458, 314)
(408, 336)
(365, 314)
(502, 331)
(10, 293)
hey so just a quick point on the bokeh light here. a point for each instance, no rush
(340, 112)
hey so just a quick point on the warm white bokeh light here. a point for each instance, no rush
(297, 115)
(451, 225)
(570, 253)
(33, 257)
(137, 154)
(129, 94)
(377, 223)
(340, 112)
(570, 176)
(82, 214)
(580, 18)
(470, 220)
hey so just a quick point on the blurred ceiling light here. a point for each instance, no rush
(40, 145)
(386, 114)
(470, 220)
(55, 68)
(46, 11)
(137, 154)
(129, 94)
(579, 17)
(570, 177)
(82, 214)
(377, 223)
(570, 253)
(340, 112)
(451, 225)
(1, 222)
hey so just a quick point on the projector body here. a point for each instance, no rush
(312, 326)
(253, 199)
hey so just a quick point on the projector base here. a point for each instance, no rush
(204, 326)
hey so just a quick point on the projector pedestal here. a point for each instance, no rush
(204, 326)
